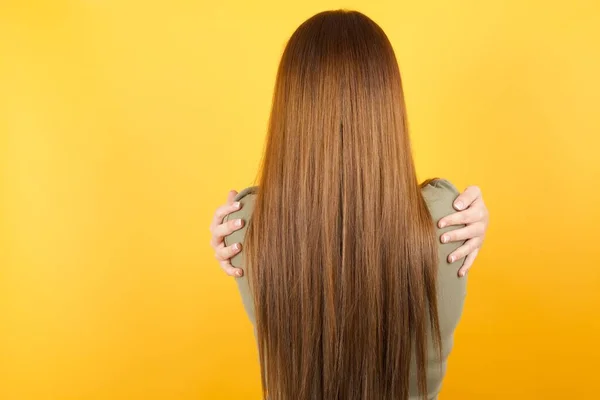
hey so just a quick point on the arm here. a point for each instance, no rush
(246, 198)
(451, 289)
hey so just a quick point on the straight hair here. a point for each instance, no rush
(341, 247)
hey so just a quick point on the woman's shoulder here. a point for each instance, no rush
(438, 188)
(439, 194)
(248, 192)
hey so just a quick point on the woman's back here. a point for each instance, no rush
(342, 255)
(451, 290)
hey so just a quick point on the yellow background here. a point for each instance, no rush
(124, 124)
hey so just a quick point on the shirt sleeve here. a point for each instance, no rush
(439, 195)
(246, 197)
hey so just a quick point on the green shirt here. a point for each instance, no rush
(451, 290)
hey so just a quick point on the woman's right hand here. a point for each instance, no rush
(219, 230)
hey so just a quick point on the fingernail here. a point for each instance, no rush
(459, 205)
(236, 204)
(236, 246)
(462, 273)
(442, 224)
(445, 238)
(451, 259)
(238, 222)
(238, 273)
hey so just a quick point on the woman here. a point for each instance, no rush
(350, 293)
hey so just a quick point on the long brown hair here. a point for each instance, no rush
(341, 247)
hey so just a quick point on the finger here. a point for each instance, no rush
(231, 196)
(225, 253)
(466, 198)
(468, 232)
(222, 212)
(230, 269)
(468, 263)
(475, 213)
(464, 250)
(227, 228)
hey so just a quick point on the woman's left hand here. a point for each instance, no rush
(472, 212)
